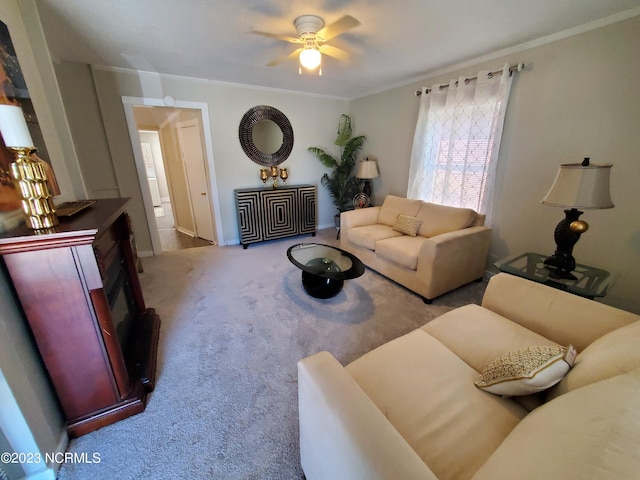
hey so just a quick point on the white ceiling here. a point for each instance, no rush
(397, 41)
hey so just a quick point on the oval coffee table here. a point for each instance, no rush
(324, 268)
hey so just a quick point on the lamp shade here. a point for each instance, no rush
(13, 127)
(367, 169)
(581, 186)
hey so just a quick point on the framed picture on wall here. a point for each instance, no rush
(13, 91)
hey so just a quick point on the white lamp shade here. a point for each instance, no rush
(310, 58)
(367, 169)
(13, 127)
(578, 186)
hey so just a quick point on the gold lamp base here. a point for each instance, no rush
(30, 180)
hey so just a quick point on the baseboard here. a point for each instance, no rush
(145, 253)
(186, 232)
(326, 225)
(47, 474)
(59, 453)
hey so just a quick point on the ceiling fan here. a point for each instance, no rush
(312, 35)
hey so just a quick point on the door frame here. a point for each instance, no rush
(128, 103)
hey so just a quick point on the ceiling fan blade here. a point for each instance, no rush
(335, 52)
(284, 58)
(286, 38)
(338, 27)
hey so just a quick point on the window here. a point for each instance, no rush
(457, 141)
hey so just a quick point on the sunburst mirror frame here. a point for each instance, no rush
(250, 119)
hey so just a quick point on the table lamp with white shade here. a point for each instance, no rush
(577, 186)
(367, 170)
(28, 174)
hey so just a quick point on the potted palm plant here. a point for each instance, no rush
(341, 183)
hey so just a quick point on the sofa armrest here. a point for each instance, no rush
(356, 218)
(359, 217)
(343, 435)
(557, 315)
(452, 259)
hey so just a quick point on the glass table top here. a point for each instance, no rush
(325, 261)
(590, 281)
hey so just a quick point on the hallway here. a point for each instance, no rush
(170, 237)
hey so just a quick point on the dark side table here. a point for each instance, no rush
(590, 282)
(324, 268)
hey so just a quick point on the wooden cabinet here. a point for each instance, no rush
(79, 288)
(270, 213)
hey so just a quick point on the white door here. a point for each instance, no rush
(197, 179)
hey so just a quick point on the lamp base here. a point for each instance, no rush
(566, 235)
(560, 266)
(31, 183)
(367, 190)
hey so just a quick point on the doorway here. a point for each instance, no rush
(174, 140)
(172, 235)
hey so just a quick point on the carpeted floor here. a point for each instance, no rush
(234, 324)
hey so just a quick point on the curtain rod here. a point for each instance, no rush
(516, 68)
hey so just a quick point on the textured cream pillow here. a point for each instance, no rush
(527, 371)
(407, 225)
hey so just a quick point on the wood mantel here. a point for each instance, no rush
(79, 289)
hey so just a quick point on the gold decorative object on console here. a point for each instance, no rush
(274, 176)
(29, 176)
(284, 175)
(264, 176)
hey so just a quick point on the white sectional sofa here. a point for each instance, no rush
(410, 409)
(448, 248)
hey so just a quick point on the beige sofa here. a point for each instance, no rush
(410, 410)
(449, 249)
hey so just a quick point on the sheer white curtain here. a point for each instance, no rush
(457, 140)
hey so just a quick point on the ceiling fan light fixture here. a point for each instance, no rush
(310, 58)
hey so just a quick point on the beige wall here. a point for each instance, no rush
(577, 98)
(569, 103)
(37, 67)
(83, 114)
(313, 120)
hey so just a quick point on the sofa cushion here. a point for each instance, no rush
(479, 336)
(548, 311)
(407, 225)
(402, 250)
(367, 235)
(427, 393)
(527, 370)
(591, 432)
(612, 354)
(394, 206)
(439, 219)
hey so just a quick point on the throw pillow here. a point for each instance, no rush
(527, 371)
(407, 225)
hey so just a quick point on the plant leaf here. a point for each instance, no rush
(344, 130)
(351, 151)
(326, 159)
(340, 183)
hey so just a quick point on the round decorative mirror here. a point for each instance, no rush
(266, 135)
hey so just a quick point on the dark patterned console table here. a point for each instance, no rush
(268, 213)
